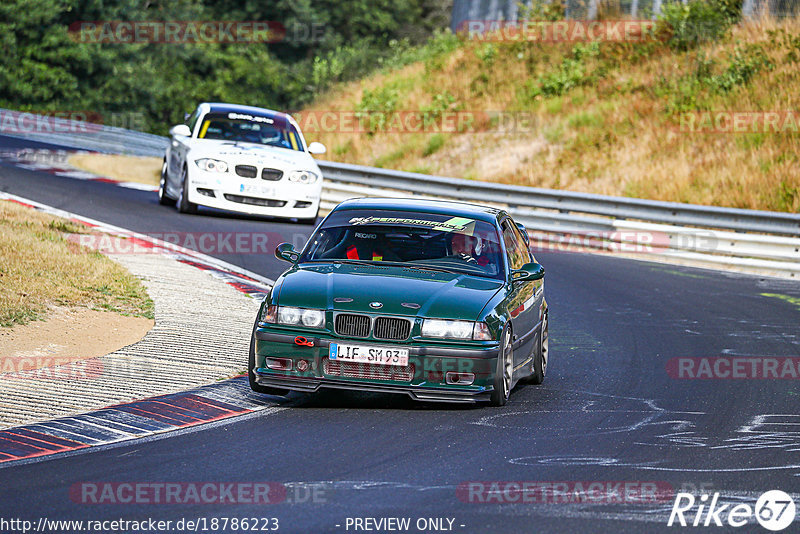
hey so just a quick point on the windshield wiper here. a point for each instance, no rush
(384, 263)
(422, 267)
(344, 261)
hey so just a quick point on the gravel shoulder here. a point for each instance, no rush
(201, 335)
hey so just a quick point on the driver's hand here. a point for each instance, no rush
(466, 257)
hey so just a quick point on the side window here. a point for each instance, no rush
(192, 121)
(517, 255)
(522, 244)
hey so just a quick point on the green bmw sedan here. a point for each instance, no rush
(442, 301)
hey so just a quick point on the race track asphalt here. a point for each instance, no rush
(609, 410)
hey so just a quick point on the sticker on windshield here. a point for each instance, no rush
(251, 118)
(456, 224)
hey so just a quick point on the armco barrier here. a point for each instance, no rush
(706, 241)
(748, 239)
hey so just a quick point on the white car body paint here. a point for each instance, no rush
(299, 200)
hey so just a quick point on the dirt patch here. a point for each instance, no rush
(143, 170)
(68, 335)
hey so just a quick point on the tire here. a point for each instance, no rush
(251, 376)
(542, 354)
(184, 206)
(504, 373)
(163, 199)
(311, 220)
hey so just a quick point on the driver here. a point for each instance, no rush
(464, 246)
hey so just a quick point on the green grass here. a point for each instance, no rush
(435, 142)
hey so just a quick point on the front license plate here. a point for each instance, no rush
(368, 354)
(257, 190)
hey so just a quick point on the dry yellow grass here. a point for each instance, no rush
(143, 170)
(39, 269)
(615, 136)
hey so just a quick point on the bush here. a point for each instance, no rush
(441, 103)
(570, 74)
(376, 107)
(746, 62)
(434, 144)
(696, 22)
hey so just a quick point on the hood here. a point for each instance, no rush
(250, 153)
(438, 294)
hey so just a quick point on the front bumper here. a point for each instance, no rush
(427, 383)
(254, 196)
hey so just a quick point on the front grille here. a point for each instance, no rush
(246, 171)
(302, 204)
(271, 174)
(256, 201)
(352, 325)
(392, 328)
(369, 371)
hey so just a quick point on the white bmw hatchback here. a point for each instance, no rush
(244, 159)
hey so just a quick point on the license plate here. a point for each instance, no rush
(257, 190)
(368, 354)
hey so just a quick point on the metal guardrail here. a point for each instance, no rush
(722, 236)
(81, 135)
(751, 240)
(521, 197)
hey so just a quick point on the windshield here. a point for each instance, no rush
(424, 240)
(245, 128)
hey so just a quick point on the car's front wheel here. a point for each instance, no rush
(184, 206)
(251, 376)
(163, 199)
(504, 372)
(309, 220)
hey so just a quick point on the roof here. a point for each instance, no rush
(442, 207)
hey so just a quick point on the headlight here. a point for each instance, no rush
(312, 318)
(290, 316)
(303, 177)
(455, 329)
(212, 165)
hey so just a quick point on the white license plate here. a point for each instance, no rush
(368, 354)
(257, 190)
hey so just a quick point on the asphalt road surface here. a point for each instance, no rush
(611, 410)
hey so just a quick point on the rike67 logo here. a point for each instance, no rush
(774, 510)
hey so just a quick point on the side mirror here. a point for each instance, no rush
(529, 272)
(286, 252)
(316, 148)
(180, 130)
(524, 232)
